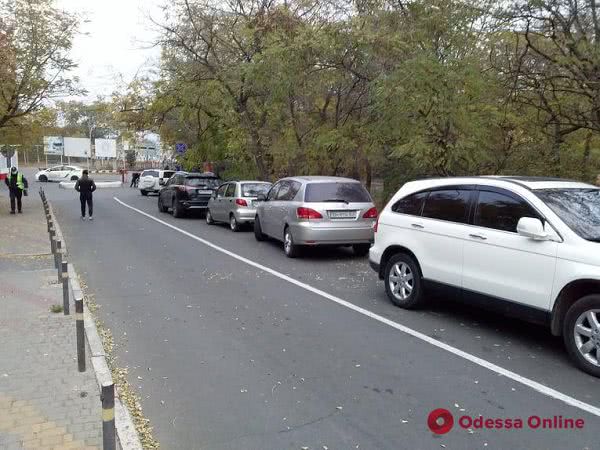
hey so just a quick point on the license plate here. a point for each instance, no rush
(342, 214)
(201, 192)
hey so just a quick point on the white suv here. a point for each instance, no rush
(153, 180)
(523, 246)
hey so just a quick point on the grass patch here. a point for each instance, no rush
(56, 309)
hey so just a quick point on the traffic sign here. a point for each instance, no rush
(180, 148)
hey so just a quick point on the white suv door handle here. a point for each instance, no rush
(417, 225)
(478, 236)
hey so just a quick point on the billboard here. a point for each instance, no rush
(53, 145)
(106, 148)
(79, 147)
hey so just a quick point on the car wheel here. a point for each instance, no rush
(361, 249)
(161, 206)
(177, 212)
(144, 193)
(258, 234)
(233, 223)
(581, 334)
(291, 250)
(43, 178)
(74, 178)
(209, 218)
(403, 281)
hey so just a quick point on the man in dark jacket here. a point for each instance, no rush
(86, 186)
(17, 185)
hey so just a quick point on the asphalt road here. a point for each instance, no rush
(228, 356)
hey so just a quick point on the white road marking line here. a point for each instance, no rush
(545, 390)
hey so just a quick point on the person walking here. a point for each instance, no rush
(17, 187)
(135, 179)
(86, 186)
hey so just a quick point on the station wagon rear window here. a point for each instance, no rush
(150, 173)
(332, 192)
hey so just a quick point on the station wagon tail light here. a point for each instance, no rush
(371, 214)
(376, 225)
(308, 213)
(241, 202)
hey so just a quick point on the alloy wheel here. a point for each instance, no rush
(401, 281)
(587, 335)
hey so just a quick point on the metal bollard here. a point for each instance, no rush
(108, 417)
(58, 255)
(52, 240)
(65, 286)
(80, 334)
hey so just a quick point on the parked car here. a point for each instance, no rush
(153, 180)
(59, 173)
(235, 203)
(302, 211)
(187, 191)
(527, 247)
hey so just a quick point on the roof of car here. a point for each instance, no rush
(530, 183)
(322, 179)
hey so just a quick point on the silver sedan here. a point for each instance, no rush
(308, 211)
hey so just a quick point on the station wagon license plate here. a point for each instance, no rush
(203, 192)
(342, 214)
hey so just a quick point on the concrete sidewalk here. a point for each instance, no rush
(45, 403)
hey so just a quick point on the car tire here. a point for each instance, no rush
(209, 218)
(290, 249)
(177, 212)
(258, 234)
(361, 249)
(577, 342)
(144, 193)
(233, 223)
(161, 207)
(43, 179)
(74, 178)
(407, 291)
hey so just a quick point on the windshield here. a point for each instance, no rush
(578, 208)
(336, 192)
(209, 183)
(253, 189)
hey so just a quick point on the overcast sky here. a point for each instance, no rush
(119, 36)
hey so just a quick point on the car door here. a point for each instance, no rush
(228, 200)
(498, 262)
(55, 173)
(284, 210)
(266, 221)
(443, 226)
(217, 209)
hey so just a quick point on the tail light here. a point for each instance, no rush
(241, 202)
(376, 225)
(308, 213)
(370, 214)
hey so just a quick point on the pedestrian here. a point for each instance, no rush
(135, 179)
(86, 186)
(17, 187)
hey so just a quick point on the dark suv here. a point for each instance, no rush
(187, 191)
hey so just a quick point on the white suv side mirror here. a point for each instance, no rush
(532, 228)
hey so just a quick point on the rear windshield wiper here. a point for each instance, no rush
(337, 200)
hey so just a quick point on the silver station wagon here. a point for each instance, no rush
(313, 210)
(235, 203)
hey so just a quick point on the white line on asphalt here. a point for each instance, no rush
(545, 390)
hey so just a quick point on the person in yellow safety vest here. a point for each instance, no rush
(17, 185)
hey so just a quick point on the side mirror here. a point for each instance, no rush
(532, 228)
(161, 182)
(261, 197)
